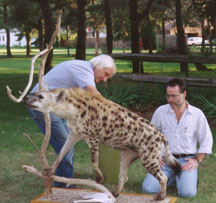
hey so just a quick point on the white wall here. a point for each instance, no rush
(13, 39)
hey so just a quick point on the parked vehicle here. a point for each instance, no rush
(196, 41)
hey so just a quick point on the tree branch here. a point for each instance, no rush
(69, 181)
(33, 143)
(9, 91)
(47, 171)
(47, 181)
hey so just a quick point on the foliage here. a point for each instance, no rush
(24, 15)
(131, 94)
(121, 29)
(95, 15)
(121, 94)
(208, 107)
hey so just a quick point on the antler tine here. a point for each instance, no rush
(20, 98)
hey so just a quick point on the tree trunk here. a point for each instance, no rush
(213, 22)
(134, 25)
(203, 33)
(181, 43)
(40, 34)
(108, 21)
(49, 29)
(213, 34)
(8, 42)
(28, 42)
(163, 30)
(96, 41)
(68, 41)
(5, 19)
(123, 45)
(210, 36)
(81, 33)
(163, 35)
(150, 34)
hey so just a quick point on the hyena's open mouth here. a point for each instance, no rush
(30, 105)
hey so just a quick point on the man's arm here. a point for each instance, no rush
(200, 157)
(92, 89)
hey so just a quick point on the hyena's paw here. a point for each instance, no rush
(116, 193)
(159, 197)
(100, 179)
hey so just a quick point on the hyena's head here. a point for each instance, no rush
(44, 101)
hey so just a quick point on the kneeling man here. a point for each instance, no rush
(184, 126)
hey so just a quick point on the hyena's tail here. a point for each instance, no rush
(172, 162)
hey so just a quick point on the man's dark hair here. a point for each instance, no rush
(178, 82)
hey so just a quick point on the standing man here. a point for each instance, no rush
(71, 73)
(184, 126)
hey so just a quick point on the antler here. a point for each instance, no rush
(9, 91)
(46, 168)
(44, 55)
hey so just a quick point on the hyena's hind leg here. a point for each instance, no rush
(127, 158)
(153, 167)
(94, 150)
(163, 185)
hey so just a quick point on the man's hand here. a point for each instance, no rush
(92, 89)
(190, 165)
(162, 162)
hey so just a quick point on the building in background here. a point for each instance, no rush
(14, 39)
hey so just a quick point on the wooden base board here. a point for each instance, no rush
(62, 195)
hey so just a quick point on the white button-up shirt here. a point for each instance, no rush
(183, 137)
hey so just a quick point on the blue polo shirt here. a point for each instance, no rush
(71, 73)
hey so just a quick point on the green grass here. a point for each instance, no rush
(19, 186)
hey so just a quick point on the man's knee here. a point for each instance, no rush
(150, 188)
(187, 192)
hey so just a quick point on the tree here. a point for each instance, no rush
(95, 19)
(205, 12)
(145, 18)
(81, 29)
(26, 16)
(134, 26)
(135, 18)
(121, 23)
(5, 6)
(49, 28)
(108, 22)
(39, 27)
(181, 42)
(69, 21)
(161, 12)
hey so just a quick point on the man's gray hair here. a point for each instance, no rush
(103, 61)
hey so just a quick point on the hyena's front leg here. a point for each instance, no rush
(94, 150)
(127, 158)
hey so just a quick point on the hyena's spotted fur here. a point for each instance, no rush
(95, 119)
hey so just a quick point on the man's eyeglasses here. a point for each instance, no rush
(173, 96)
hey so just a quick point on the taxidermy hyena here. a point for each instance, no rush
(95, 119)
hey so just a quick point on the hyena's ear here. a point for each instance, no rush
(60, 96)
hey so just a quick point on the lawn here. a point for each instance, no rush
(19, 186)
